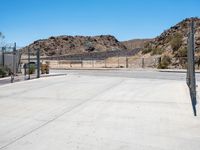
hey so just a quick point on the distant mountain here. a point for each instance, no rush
(136, 43)
(70, 45)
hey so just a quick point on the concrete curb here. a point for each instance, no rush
(175, 71)
(131, 69)
(114, 69)
(21, 78)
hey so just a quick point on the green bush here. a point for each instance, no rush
(182, 56)
(168, 39)
(146, 51)
(156, 51)
(182, 52)
(176, 42)
(147, 48)
(4, 72)
(165, 62)
(32, 69)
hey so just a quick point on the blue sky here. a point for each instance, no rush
(24, 21)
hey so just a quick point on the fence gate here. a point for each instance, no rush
(10, 57)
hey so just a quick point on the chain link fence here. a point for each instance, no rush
(116, 62)
(123, 62)
(9, 58)
(112, 62)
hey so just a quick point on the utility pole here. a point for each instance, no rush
(191, 79)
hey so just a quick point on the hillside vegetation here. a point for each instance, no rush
(174, 40)
(172, 43)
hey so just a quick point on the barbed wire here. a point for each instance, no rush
(8, 46)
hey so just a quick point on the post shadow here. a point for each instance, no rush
(194, 102)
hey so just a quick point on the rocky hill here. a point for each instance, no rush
(170, 45)
(174, 40)
(71, 45)
(136, 43)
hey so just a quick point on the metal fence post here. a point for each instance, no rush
(191, 80)
(38, 63)
(81, 62)
(14, 60)
(3, 56)
(29, 76)
(155, 61)
(142, 62)
(118, 59)
(127, 62)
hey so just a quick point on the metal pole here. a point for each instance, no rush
(105, 60)
(191, 80)
(142, 62)
(81, 62)
(118, 59)
(14, 60)
(3, 56)
(38, 63)
(29, 77)
(127, 62)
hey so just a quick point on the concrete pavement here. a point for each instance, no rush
(130, 73)
(97, 112)
(19, 78)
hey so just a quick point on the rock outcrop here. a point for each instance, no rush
(71, 45)
(175, 39)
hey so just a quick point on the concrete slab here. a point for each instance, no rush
(88, 112)
(20, 77)
(130, 73)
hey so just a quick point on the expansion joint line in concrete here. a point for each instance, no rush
(60, 115)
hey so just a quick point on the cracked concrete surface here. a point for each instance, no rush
(97, 112)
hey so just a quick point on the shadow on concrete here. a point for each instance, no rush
(194, 102)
